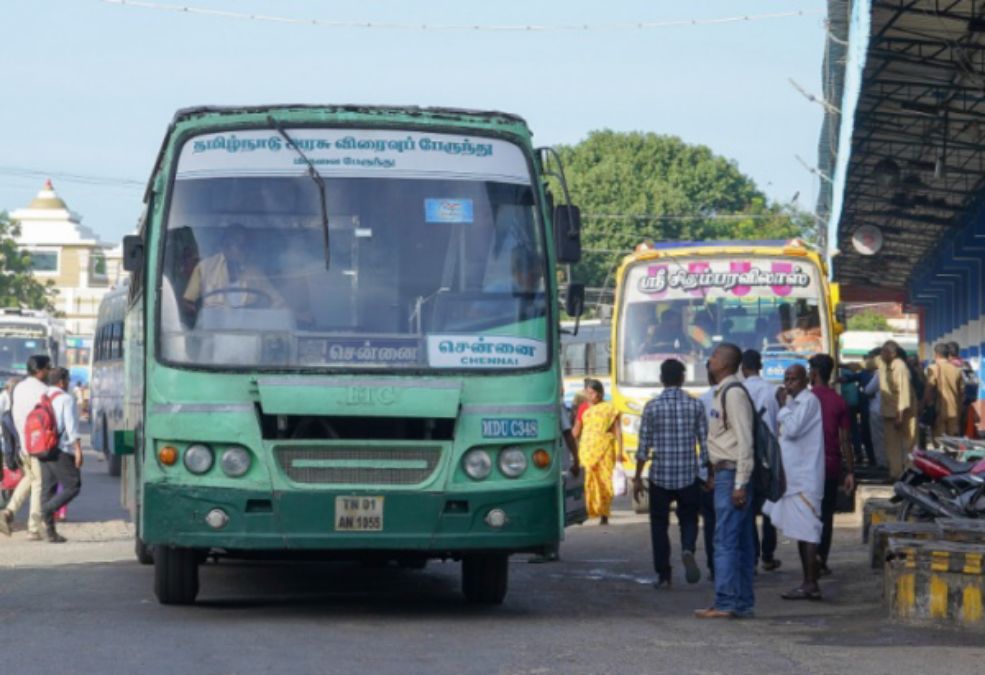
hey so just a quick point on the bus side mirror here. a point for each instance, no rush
(574, 301)
(567, 233)
(133, 253)
(840, 314)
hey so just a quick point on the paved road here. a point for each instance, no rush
(594, 612)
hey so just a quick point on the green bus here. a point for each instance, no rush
(343, 342)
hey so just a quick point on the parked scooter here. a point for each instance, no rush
(939, 486)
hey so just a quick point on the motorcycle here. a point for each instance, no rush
(940, 486)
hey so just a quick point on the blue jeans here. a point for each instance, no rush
(735, 555)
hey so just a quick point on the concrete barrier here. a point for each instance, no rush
(881, 533)
(876, 511)
(935, 581)
(964, 530)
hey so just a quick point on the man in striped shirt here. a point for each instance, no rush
(673, 435)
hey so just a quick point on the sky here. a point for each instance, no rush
(88, 87)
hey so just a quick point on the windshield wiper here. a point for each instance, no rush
(319, 181)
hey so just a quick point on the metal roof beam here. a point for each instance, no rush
(941, 14)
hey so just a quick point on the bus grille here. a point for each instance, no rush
(352, 465)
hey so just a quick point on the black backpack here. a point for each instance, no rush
(9, 442)
(768, 479)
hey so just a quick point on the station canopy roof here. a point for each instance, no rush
(903, 142)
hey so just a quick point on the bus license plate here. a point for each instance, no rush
(359, 514)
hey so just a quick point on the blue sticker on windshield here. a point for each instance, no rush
(448, 210)
(510, 428)
(30, 344)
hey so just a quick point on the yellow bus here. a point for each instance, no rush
(680, 299)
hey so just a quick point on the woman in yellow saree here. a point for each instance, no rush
(599, 441)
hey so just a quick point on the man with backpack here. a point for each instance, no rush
(763, 396)
(59, 414)
(798, 513)
(25, 397)
(731, 456)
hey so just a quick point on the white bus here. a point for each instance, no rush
(24, 333)
(586, 354)
(106, 392)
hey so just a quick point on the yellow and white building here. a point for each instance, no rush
(65, 251)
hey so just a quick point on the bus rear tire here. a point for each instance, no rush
(175, 575)
(485, 578)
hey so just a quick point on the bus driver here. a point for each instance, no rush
(228, 279)
(668, 336)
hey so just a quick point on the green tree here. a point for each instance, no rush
(638, 186)
(18, 288)
(868, 320)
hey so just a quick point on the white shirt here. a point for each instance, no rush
(708, 399)
(802, 445)
(4, 401)
(66, 418)
(764, 396)
(875, 398)
(27, 393)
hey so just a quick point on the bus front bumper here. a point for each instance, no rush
(426, 523)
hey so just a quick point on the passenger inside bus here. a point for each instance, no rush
(525, 284)
(805, 336)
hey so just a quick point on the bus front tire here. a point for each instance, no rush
(175, 575)
(485, 578)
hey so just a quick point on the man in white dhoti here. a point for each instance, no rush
(798, 513)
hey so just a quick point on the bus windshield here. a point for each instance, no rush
(436, 264)
(20, 341)
(682, 309)
(15, 351)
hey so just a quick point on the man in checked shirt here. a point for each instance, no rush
(673, 433)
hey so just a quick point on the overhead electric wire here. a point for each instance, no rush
(68, 177)
(415, 26)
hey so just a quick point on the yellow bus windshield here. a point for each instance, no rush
(682, 307)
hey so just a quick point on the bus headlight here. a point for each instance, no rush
(235, 461)
(199, 458)
(512, 462)
(477, 464)
(631, 423)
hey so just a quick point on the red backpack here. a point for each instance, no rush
(41, 429)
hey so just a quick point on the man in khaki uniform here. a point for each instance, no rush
(899, 407)
(945, 391)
